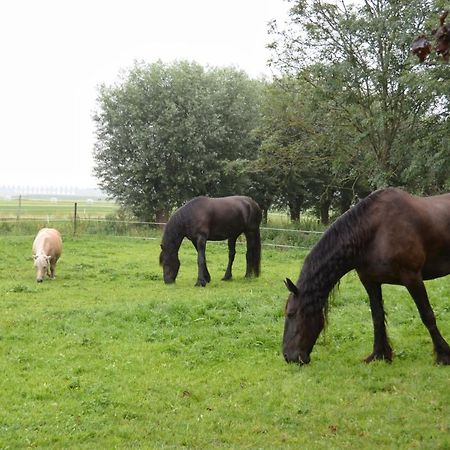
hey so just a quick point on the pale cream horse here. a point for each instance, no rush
(47, 248)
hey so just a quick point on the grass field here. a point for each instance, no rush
(107, 356)
(53, 209)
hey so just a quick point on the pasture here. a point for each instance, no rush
(107, 356)
(54, 209)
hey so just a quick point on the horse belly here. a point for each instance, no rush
(218, 236)
(379, 272)
(436, 267)
(225, 229)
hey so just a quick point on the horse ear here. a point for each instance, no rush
(291, 286)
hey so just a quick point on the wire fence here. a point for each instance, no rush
(270, 236)
(77, 223)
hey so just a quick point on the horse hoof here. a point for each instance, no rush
(200, 284)
(378, 356)
(443, 359)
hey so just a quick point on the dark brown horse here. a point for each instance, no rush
(389, 237)
(215, 219)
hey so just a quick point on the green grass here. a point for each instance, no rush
(107, 356)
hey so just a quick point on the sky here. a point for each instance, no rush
(55, 53)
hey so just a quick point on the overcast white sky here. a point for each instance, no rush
(54, 54)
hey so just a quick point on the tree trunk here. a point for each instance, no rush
(265, 213)
(324, 213)
(295, 207)
(324, 208)
(162, 216)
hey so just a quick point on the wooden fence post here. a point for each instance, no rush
(75, 219)
(19, 211)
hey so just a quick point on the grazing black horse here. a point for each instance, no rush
(215, 219)
(389, 237)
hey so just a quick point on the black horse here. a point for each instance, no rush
(389, 237)
(215, 219)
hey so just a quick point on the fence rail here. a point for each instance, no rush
(86, 217)
(277, 237)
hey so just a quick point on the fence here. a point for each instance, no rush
(77, 224)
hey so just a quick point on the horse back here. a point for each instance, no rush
(223, 217)
(409, 234)
(48, 241)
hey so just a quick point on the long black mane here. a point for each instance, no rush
(335, 254)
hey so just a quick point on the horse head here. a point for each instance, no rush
(301, 330)
(170, 263)
(41, 263)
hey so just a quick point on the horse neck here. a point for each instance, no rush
(338, 251)
(173, 236)
(328, 271)
(322, 270)
(39, 248)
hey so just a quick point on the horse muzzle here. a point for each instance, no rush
(300, 358)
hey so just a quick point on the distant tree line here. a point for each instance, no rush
(352, 111)
(66, 191)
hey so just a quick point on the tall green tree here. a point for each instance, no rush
(370, 79)
(286, 156)
(167, 133)
(306, 153)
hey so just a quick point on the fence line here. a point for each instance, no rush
(149, 238)
(79, 220)
(133, 222)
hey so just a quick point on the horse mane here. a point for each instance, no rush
(334, 255)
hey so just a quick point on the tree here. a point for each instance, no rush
(167, 133)
(371, 81)
(284, 158)
(302, 154)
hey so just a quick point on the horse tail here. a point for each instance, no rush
(254, 246)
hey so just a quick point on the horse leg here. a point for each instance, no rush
(253, 255)
(381, 347)
(52, 270)
(206, 272)
(418, 292)
(203, 274)
(231, 255)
